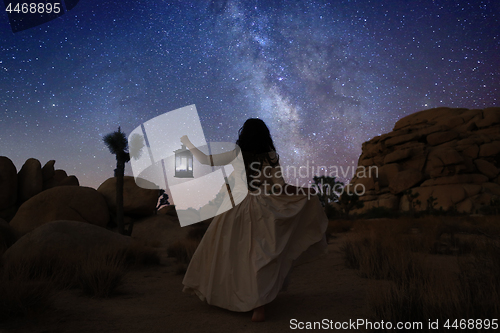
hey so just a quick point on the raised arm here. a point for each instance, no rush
(213, 160)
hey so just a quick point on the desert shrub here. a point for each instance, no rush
(331, 212)
(377, 258)
(416, 290)
(472, 294)
(479, 283)
(183, 250)
(97, 272)
(58, 268)
(350, 253)
(100, 273)
(418, 300)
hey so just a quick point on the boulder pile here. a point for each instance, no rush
(37, 203)
(75, 203)
(450, 157)
(138, 202)
(17, 187)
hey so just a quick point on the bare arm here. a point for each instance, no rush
(213, 160)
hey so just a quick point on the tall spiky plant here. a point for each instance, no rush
(118, 145)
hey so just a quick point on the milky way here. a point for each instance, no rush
(325, 76)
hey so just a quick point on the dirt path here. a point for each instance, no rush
(150, 300)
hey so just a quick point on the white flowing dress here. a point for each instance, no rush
(247, 252)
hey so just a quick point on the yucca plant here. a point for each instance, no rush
(118, 145)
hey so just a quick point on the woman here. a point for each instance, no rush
(247, 252)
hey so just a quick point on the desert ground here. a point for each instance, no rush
(150, 299)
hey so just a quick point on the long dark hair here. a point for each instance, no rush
(255, 142)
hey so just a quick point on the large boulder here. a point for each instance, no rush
(137, 201)
(66, 240)
(75, 203)
(444, 153)
(48, 170)
(60, 178)
(167, 210)
(7, 236)
(405, 180)
(162, 230)
(30, 179)
(8, 183)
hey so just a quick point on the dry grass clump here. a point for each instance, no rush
(57, 268)
(29, 285)
(479, 281)
(379, 258)
(421, 289)
(473, 293)
(183, 250)
(99, 274)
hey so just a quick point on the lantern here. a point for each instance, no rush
(183, 163)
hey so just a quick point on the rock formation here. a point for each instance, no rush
(29, 180)
(137, 201)
(76, 203)
(450, 157)
(8, 188)
(7, 236)
(64, 240)
(18, 187)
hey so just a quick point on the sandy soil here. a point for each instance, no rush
(151, 300)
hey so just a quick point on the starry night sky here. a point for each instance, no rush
(324, 75)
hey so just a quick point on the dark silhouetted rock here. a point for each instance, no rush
(137, 201)
(60, 178)
(75, 203)
(8, 183)
(29, 179)
(8, 213)
(48, 170)
(7, 236)
(67, 240)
